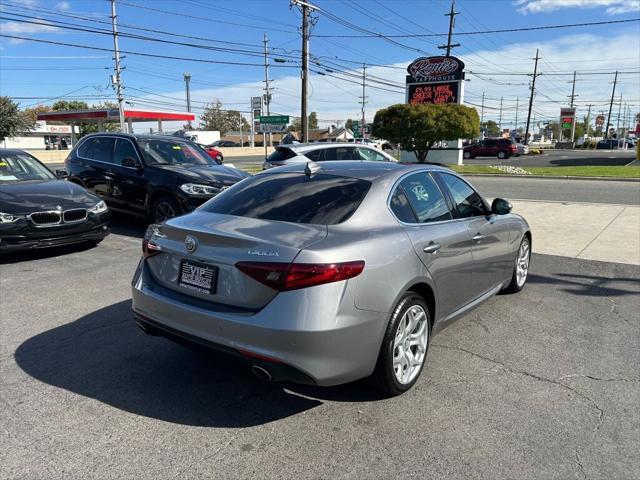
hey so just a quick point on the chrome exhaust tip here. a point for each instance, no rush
(146, 329)
(261, 373)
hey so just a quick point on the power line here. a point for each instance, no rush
(506, 30)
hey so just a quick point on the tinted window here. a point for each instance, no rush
(490, 143)
(315, 155)
(371, 155)
(467, 200)
(293, 197)
(425, 198)
(340, 153)
(401, 208)
(100, 148)
(280, 154)
(124, 149)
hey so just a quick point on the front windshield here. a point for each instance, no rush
(160, 151)
(19, 167)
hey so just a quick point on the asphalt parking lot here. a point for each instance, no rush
(543, 384)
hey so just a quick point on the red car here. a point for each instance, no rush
(492, 147)
(213, 153)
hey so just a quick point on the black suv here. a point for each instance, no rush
(149, 175)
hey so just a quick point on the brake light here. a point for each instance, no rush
(149, 249)
(292, 276)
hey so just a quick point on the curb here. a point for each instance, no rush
(554, 177)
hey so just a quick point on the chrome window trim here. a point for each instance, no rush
(418, 224)
(85, 139)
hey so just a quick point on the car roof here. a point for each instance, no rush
(317, 145)
(357, 169)
(137, 136)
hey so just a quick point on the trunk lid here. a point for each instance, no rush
(221, 242)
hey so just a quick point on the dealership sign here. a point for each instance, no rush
(435, 69)
(567, 118)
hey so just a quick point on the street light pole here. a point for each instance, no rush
(187, 79)
(117, 80)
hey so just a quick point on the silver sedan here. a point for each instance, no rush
(327, 273)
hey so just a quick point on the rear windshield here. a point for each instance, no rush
(280, 154)
(293, 197)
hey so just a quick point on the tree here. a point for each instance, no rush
(418, 127)
(491, 128)
(313, 120)
(215, 117)
(12, 120)
(32, 113)
(61, 105)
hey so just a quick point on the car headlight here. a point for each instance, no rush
(99, 207)
(9, 217)
(196, 189)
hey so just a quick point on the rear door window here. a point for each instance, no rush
(425, 198)
(281, 154)
(124, 149)
(293, 197)
(369, 154)
(315, 155)
(98, 148)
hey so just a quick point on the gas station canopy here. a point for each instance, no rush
(100, 116)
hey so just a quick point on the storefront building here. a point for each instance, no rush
(43, 137)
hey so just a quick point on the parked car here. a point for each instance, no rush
(324, 273)
(522, 149)
(491, 147)
(607, 144)
(224, 143)
(213, 153)
(39, 210)
(149, 175)
(323, 152)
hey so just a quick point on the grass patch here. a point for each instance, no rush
(590, 171)
(474, 169)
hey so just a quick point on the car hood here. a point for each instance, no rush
(210, 174)
(34, 196)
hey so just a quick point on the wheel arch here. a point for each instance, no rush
(160, 192)
(428, 295)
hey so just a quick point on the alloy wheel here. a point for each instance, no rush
(410, 344)
(164, 211)
(501, 155)
(522, 262)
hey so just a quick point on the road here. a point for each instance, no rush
(562, 190)
(543, 384)
(562, 158)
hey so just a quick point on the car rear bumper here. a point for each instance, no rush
(314, 336)
(90, 231)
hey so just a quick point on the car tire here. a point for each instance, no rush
(219, 158)
(394, 373)
(164, 208)
(467, 155)
(502, 155)
(521, 267)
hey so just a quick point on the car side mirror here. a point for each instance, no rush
(500, 206)
(61, 174)
(131, 163)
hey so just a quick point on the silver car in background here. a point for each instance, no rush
(327, 273)
(301, 153)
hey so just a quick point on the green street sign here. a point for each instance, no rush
(274, 119)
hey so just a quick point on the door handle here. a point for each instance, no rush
(478, 237)
(431, 248)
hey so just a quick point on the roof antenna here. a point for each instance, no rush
(311, 168)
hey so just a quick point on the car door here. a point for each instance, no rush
(93, 157)
(490, 148)
(442, 243)
(477, 148)
(128, 184)
(489, 233)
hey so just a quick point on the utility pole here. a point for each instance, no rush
(364, 100)
(613, 92)
(500, 117)
(482, 117)
(588, 120)
(452, 23)
(187, 79)
(517, 109)
(533, 91)
(117, 81)
(573, 90)
(618, 121)
(306, 9)
(267, 92)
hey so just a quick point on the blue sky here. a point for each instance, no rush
(29, 69)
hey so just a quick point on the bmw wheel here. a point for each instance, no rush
(404, 348)
(164, 208)
(521, 267)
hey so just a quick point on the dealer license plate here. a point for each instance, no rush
(198, 277)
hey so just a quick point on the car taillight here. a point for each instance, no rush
(291, 276)
(149, 249)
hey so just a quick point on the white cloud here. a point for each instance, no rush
(63, 6)
(612, 6)
(11, 28)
